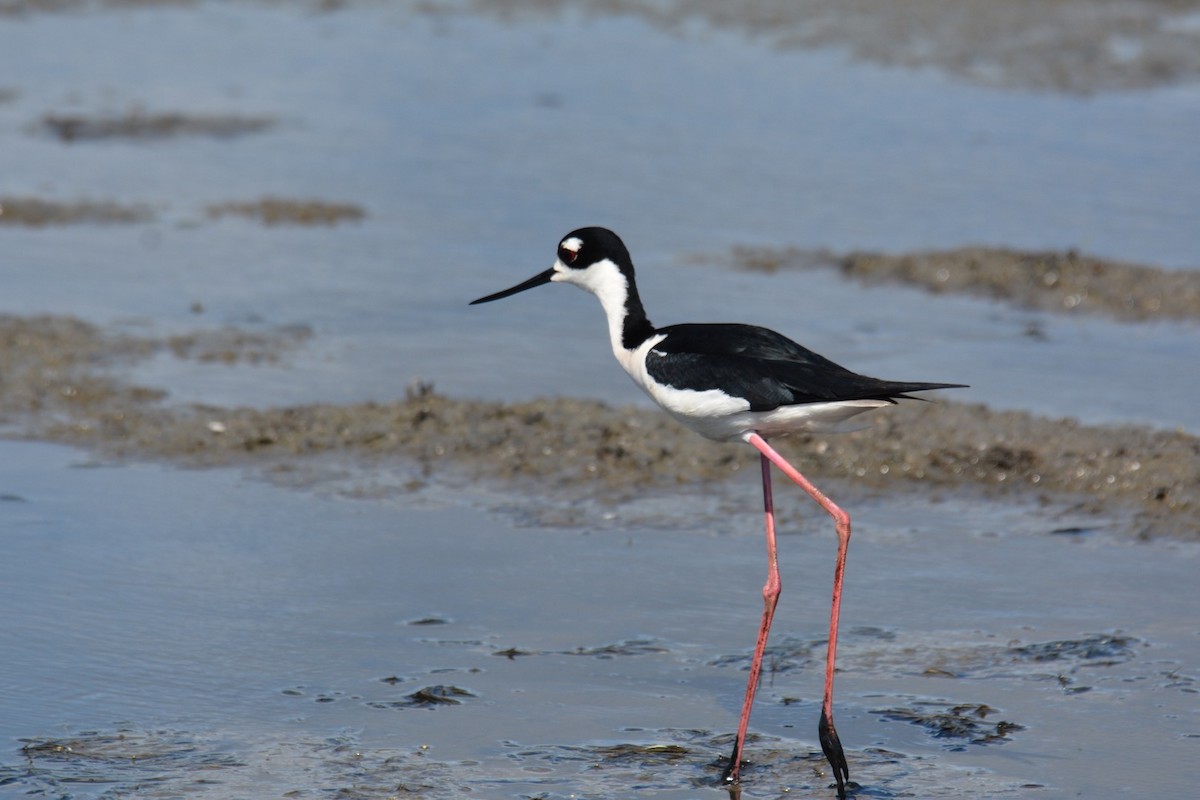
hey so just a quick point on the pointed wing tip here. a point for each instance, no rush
(927, 387)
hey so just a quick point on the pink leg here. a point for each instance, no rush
(770, 599)
(830, 744)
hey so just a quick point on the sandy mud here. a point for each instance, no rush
(57, 384)
(1068, 282)
(36, 213)
(271, 211)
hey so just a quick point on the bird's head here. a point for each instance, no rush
(594, 259)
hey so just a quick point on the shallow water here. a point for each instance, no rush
(201, 632)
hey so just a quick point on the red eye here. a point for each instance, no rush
(567, 256)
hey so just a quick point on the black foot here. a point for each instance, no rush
(728, 777)
(832, 747)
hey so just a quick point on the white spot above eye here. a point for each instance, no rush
(573, 243)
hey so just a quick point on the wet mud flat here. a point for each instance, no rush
(178, 761)
(140, 125)
(1066, 45)
(58, 385)
(680, 763)
(1062, 282)
(272, 211)
(1079, 46)
(37, 212)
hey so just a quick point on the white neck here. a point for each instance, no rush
(604, 279)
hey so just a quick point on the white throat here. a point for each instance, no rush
(603, 279)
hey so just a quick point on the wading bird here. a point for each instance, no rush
(731, 382)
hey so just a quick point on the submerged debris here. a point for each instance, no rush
(642, 755)
(144, 125)
(229, 345)
(1075, 665)
(430, 697)
(633, 647)
(782, 656)
(966, 723)
(95, 755)
(1101, 650)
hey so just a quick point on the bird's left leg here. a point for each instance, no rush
(830, 744)
(771, 592)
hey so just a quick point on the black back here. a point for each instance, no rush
(766, 368)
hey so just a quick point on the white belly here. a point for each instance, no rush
(716, 415)
(726, 419)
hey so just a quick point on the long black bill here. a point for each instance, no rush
(536, 280)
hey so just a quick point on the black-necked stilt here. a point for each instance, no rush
(731, 382)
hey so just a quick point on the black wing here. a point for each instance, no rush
(766, 368)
